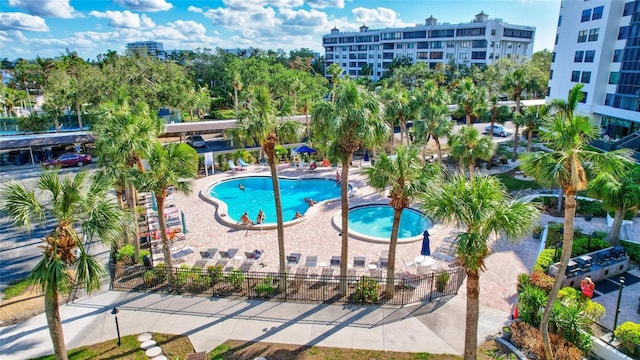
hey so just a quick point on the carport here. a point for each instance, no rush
(30, 142)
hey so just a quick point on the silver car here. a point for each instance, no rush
(196, 141)
(498, 130)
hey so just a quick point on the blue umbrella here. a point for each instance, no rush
(184, 224)
(304, 149)
(426, 251)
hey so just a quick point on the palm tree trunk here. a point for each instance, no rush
(567, 245)
(516, 138)
(132, 203)
(52, 310)
(473, 309)
(438, 149)
(79, 114)
(166, 246)
(391, 266)
(280, 222)
(494, 117)
(235, 101)
(614, 233)
(560, 199)
(468, 118)
(344, 200)
(529, 138)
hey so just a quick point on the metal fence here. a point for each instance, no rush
(298, 287)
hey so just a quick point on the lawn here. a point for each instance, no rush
(513, 184)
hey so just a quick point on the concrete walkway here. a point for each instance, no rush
(435, 328)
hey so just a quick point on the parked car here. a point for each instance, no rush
(498, 130)
(196, 141)
(68, 159)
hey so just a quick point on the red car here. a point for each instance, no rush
(69, 159)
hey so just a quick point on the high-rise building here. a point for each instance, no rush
(153, 48)
(598, 44)
(481, 41)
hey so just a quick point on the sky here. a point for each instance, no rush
(50, 28)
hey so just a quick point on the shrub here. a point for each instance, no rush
(590, 207)
(523, 279)
(544, 260)
(633, 250)
(236, 278)
(265, 288)
(582, 245)
(554, 234)
(126, 253)
(531, 300)
(442, 279)
(567, 319)
(543, 281)
(629, 334)
(529, 339)
(215, 273)
(366, 291)
(161, 271)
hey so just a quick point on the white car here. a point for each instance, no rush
(196, 141)
(498, 130)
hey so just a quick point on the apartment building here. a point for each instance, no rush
(153, 48)
(598, 44)
(481, 41)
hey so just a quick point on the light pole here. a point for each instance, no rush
(115, 312)
(615, 318)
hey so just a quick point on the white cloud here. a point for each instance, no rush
(46, 8)
(194, 9)
(21, 21)
(145, 5)
(378, 17)
(321, 4)
(125, 19)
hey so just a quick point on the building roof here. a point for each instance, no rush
(23, 141)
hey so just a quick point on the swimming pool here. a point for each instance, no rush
(258, 194)
(373, 222)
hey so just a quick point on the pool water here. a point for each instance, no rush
(376, 221)
(258, 194)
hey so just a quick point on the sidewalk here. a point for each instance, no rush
(208, 322)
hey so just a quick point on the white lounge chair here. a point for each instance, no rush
(232, 166)
(242, 163)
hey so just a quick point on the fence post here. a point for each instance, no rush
(248, 286)
(431, 287)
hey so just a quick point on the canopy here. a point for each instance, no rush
(304, 149)
(425, 251)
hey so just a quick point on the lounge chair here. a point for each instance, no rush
(383, 262)
(294, 258)
(359, 261)
(232, 166)
(311, 261)
(242, 163)
(335, 261)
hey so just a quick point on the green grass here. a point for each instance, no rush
(173, 346)
(16, 288)
(513, 184)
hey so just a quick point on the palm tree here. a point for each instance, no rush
(335, 70)
(261, 125)
(81, 212)
(517, 81)
(618, 194)
(174, 165)
(354, 120)
(435, 118)
(468, 146)
(397, 102)
(123, 135)
(405, 177)
(469, 98)
(567, 137)
(532, 116)
(237, 86)
(482, 205)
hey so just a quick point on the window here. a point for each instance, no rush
(586, 15)
(589, 55)
(493, 43)
(436, 55)
(410, 45)
(623, 33)
(493, 32)
(352, 64)
(586, 77)
(470, 32)
(522, 34)
(593, 34)
(628, 9)
(553, 56)
(352, 56)
(556, 43)
(497, 56)
(451, 56)
(582, 36)
(575, 76)
(441, 33)
(597, 13)
(423, 45)
(422, 55)
(415, 35)
(478, 55)
(617, 55)
(498, 44)
(509, 45)
(398, 46)
(451, 44)
(476, 44)
(463, 56)
(490, 55)
(387, 46)
(613, 77)
(464, 44)
(559, 20)
(608, 99)
(579, 56)
(584, 97)
(551, 75)
(436, 44)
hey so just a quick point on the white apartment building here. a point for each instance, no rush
(598, 44)
(153, 48)
(479, 42)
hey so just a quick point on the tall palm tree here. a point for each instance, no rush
(174, 165)
(81, 211)
(618, 194)
(483, 207)
(469, 98)
(434, 118)
(397, 102)
(354, 120)
(468, 146)
(405, 177)
(123, 135)
(564, 165)
(520, 80)
(261, 125)
(237, 86)
(335, 70)
(532, 116)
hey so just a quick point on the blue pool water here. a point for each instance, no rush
(376, 221)
(258, 194)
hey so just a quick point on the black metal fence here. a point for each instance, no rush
(299, 287)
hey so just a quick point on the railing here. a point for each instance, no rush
(304, 288)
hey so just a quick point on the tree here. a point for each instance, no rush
(336, 71)
(81, 212)
(434, 116)
(262, 126)
(355, 119)
(468, 146)
(564, 165)
(618, 194)
(469, 98)
(405, 177)
(483, 207)
(532, 116)
(397, 102)
(172, 165)
(519, 80)
(237, 86)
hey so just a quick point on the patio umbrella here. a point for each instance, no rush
(304, 149)
(426, 251)
(184, 224)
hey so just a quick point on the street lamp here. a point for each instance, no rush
(615, 318)
(115, 312)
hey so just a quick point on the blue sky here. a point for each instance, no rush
(90, 27)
